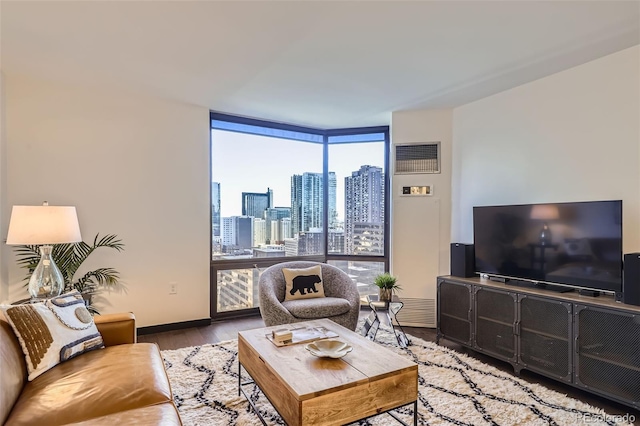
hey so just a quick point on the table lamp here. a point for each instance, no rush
(545, 212)
(43, 226)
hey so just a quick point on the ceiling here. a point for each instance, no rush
(325, 64)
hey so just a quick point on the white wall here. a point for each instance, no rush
(572, 136)
(134, 166)
(421, 226)
(139, 167)
(4, 211)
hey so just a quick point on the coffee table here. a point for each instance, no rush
(307, 390)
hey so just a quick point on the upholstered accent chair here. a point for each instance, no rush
(341, 303)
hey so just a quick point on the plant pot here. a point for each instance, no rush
(385, 294)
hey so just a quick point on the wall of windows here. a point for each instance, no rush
(360, 216)
(282, 192)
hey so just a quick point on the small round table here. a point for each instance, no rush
(390, 310)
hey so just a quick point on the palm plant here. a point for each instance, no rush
(387, 284)
(69, 257)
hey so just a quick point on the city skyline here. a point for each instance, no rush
(369, 215)
(252, 163)
(299, 228)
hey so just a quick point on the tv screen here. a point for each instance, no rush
(576, 244)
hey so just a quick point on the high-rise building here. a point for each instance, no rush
(333, 212)
(228, 231)
(274, 214)
(255, 203)
(305, 243)
(364, 211)
(237, 233)
(307, 195)
(336, 241)
(274, 236)
(259, 232)
(284, 228)
(291, 246)
(368, 239)
(296, 205)
(238, 289)
(215, 211)
(280, 230)
(244, 231)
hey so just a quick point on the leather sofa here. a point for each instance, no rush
(124, 383)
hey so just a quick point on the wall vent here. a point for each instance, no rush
(418, 312)
(417, 158)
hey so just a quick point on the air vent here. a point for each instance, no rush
(417, 312)
(417, 158)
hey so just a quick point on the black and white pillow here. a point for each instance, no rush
(304, 283)
(53, 331)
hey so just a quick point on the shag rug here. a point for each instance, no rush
(454, 389)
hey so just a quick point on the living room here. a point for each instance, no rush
(133, 153)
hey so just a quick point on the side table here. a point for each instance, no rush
(389, 310)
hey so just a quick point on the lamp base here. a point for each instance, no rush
(545, 235)
(46, 280)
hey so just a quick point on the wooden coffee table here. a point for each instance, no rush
(307, 390)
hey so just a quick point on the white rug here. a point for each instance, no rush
(454, 389)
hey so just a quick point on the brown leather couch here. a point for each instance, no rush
(123, 384)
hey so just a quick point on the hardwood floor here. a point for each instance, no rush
(214, 333)
(228, 329)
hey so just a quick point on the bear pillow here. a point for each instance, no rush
(305, 283)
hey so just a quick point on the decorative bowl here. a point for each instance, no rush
(329, 348)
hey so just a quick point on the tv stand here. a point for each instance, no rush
(588, 342)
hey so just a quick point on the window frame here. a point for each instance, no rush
(263, 263)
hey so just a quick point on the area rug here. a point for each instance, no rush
(454, 389)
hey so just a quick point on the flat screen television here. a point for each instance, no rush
(576, 244)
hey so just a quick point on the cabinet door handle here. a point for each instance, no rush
(469, 315)
(516, 328)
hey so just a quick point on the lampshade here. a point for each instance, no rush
(544, 212)
(37, 225)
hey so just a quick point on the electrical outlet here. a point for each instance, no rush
(173, 288)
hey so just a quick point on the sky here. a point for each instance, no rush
(250, 163)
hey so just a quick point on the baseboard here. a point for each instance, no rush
(152, 329)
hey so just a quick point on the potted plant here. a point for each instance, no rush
(386, 283)
(69, 257)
